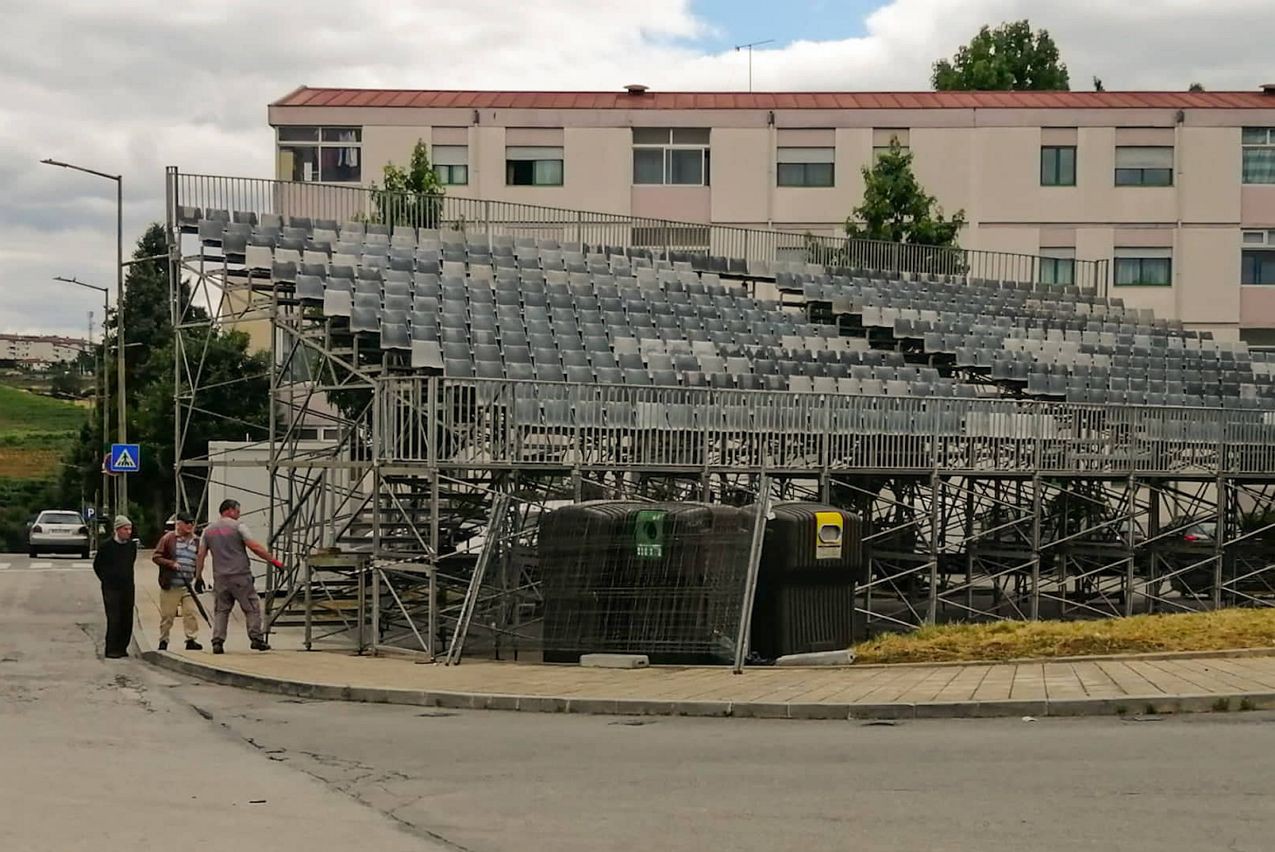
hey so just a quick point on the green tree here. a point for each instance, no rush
(897, 209)
(1196, 87)
(410, 196)
(1097, 84)
(232, 404)
(237, 402)
(1010, 57)
(66, 381)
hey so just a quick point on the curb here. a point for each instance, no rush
(1131, 705)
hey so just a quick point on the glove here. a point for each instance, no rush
(199, 586)
(276, 563)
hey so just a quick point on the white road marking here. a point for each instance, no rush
(4, 565)
(41, 564)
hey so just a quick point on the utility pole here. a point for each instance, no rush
(750, 47)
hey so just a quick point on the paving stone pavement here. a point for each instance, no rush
(1134, 684)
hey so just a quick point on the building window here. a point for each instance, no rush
(1143, 267)
(1058, 266)
(451, 164)
(670, 155)
(1257, 259)
(805, 167)
(530, 165)
(1144, 166)
(326, 154)
(1058, 165)
(1259, 155)
(883, 136)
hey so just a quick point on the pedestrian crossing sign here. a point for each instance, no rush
(125, 458)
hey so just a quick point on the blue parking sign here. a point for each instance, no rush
(125, 458)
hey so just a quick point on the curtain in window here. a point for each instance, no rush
(686, 166)
(547, 172)
(1259, 165)
(1129, 270)
(648, 165)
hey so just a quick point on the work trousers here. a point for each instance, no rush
(170, 601)
(118, 602)
(228, 591)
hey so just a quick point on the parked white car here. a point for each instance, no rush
(59, 531)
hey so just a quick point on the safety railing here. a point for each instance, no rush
(480, 422)
(489, 218)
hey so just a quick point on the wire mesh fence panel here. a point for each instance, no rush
(662, 579)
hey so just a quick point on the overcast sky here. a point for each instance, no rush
(131, 86)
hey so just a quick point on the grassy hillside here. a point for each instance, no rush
(35, 432)
(26, 413)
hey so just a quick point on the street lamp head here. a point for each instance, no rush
(49, 161)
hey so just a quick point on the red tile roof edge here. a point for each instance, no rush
(476, 99)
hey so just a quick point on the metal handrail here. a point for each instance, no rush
(490, 421)
(492, 217)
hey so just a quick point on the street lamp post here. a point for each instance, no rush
(104, 402)
(122, 415)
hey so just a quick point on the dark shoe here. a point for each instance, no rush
(260, 645)
(115, 655)
(163, 644)
(192, 645)
(218, 649)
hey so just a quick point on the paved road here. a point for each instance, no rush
(105, 755)
(511, 781)
(18, 562)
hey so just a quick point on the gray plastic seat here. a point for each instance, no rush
(309, 288)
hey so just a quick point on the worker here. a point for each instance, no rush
(175, 555)
(229, 540)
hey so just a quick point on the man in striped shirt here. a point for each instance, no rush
(175, 555)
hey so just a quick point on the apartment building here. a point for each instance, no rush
(40, 350)
(1175, 189)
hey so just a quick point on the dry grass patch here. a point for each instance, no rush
(1008, 640)
(25, 463)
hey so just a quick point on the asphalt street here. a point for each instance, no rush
(97, 749)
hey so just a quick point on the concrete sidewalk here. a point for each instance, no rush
(1137, 684)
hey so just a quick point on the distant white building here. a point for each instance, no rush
(40, 350)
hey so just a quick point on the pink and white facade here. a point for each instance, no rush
(1176, 189)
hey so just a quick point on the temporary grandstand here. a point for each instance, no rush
(1017, 450)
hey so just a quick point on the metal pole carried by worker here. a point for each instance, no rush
(175, 555)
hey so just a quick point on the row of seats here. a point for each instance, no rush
(494, 306)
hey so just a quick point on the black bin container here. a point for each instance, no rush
(662, 579)
(812, 559)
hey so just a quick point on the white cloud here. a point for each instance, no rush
(134, 85)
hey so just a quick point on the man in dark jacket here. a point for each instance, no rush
(113, 565)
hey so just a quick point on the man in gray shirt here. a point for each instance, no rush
(228, 540)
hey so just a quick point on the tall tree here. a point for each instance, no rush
(239, 395)
(412, 195)
(897, 209)
(1010, 57)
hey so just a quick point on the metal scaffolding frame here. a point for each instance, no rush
(415, 526)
